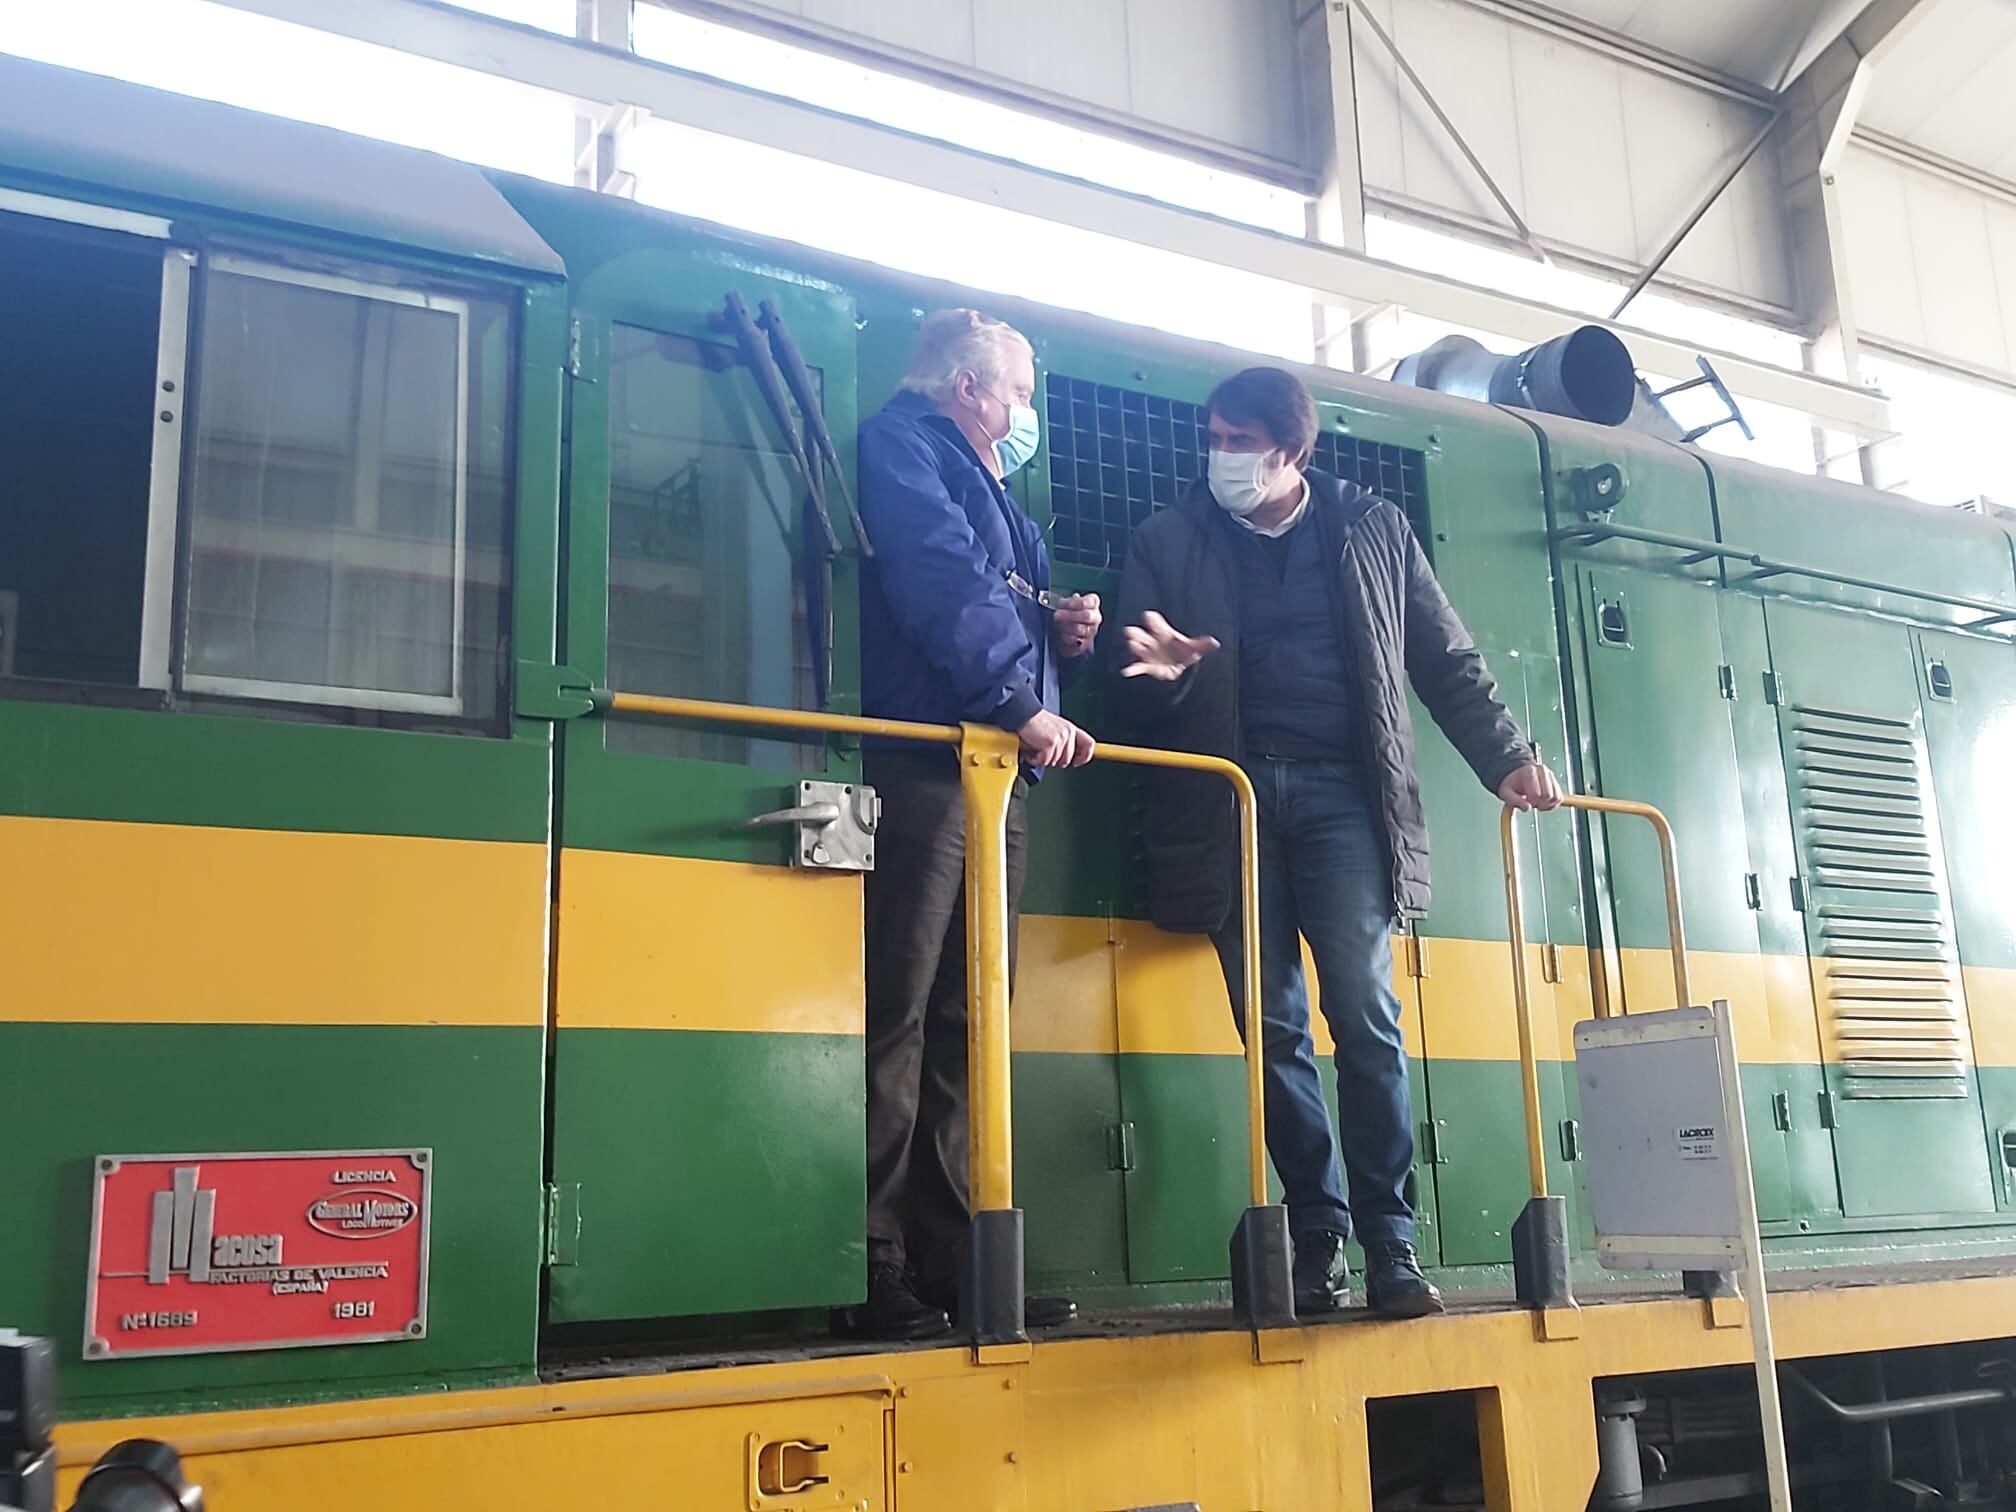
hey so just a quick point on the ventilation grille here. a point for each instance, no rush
(1117, 455)
(1397, 474)
(1877, 902)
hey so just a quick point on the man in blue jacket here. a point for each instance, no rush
(957, 625)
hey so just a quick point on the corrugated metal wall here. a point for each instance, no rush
(1596, 152)
(1214, 71)
(1932, 261)
(1603, 154)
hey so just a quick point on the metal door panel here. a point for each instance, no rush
(1878, 914)
(1661, 732)
(708, 1149)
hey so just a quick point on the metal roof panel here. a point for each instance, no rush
(179, 154)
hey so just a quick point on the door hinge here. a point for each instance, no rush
(1725, 675)
(1826, 1110)
(1781, 1111)
(1571, 1139)
(563, 1223)
(540, 690)
(1753, 890)
(574, 347)
(1120, 1146)
(1798, 891)
(1432, 1130)
(1550, 962)
(1774, 688)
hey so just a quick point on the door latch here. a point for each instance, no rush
(783, 1468)
(1432, 1130)
(836, 823)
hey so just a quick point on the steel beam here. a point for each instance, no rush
(1330, 148)
(1819, 106)
(1450, 129)
(544, 61)
(599, 130)
(1693, 217)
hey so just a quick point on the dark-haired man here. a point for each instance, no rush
(1271, 616)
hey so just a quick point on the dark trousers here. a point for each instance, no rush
(915, 938)
(1324, 878)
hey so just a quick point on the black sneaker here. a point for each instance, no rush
(1037, 1312)
(1394, 1285)
(893, 1310)
(1322, 1278)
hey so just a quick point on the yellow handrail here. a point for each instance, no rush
(1249, 930)
(989, 760)
(776, 719)
(1515, 921)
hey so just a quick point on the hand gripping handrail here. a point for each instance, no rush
(1539, 1236)
(989, 761)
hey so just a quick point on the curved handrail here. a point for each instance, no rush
(1515, 921)
(988, 762)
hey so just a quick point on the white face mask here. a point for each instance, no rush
(1239, 481)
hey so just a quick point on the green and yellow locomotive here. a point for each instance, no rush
(344, 489)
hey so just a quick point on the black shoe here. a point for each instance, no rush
(1322, 1279)
(1037, 1312)
(1394, 1284)
(893, 1310)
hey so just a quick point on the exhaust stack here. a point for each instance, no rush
(1586, 375)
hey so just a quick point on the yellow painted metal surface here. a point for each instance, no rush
(241, 926)
(989, 766)
(1064, 973)
(1091, 1423)
(1091, 986)
(667, 942)
(1169, 994)
(1771, 997)
(1991, 1010)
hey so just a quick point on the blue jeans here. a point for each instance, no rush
(1324, 877)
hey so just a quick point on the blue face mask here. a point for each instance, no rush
(1019, 445)
(1014, 450)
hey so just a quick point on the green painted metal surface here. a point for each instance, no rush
(157, 767)
(1187, 1187)
(1866, 534)
(717, 1172)
(1901, 1152)
(1069, 1149)
(475, 1095)
(1970, 735)
(1661, 731)
(74, 1091)
(631, 281)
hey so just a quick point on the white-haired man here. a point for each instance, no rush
(957, 625)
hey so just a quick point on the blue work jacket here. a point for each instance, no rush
(945, 638)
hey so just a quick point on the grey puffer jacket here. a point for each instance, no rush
(1395, 623)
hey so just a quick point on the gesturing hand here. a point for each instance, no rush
(1161, 651)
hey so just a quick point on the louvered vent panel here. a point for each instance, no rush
(1878, 906)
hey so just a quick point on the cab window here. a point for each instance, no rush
(705, 595)
(250, 485)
